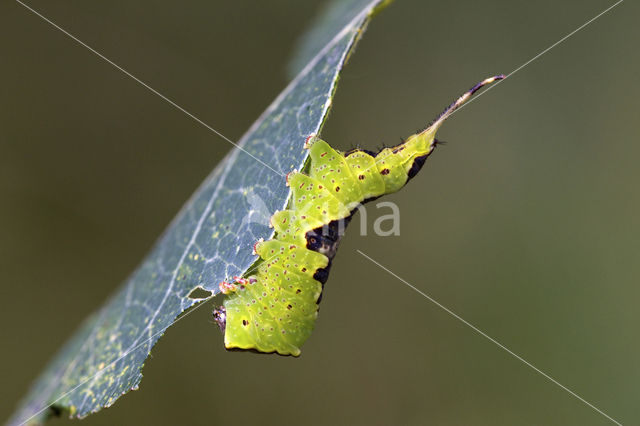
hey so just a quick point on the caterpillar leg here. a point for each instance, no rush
(220, 317)
(275, 309)
(227, 287)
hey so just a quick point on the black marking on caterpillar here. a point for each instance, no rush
(274, 309)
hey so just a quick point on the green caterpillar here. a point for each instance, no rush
(274, 309)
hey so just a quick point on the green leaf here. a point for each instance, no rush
(209, 240)
(335, 15)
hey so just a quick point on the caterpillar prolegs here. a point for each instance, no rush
(275, 308)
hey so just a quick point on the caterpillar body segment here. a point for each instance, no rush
(274, 309)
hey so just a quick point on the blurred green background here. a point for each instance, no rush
(526, 224)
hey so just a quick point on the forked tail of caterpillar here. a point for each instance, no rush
(274, 309)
